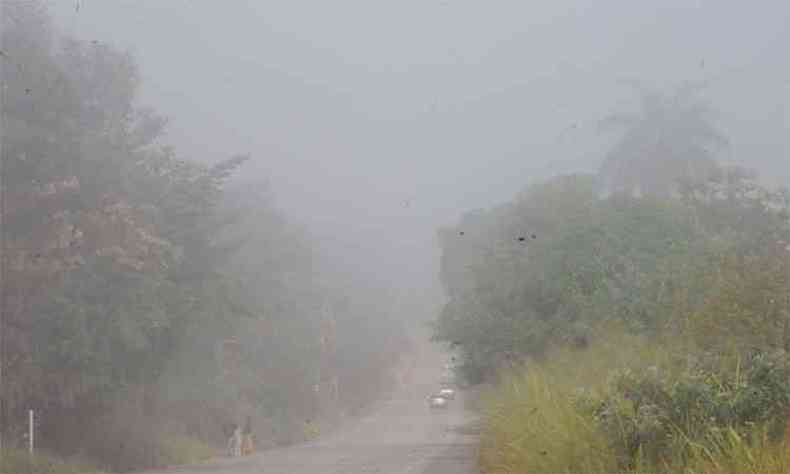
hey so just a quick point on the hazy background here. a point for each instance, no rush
(376, 122)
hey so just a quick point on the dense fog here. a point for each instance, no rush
(378, 121)
(219, 211)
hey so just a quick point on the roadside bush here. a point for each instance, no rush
(185, 450)
(626, 404)
(122, 442)
(539, 419)
(651, 415)
(122, 446)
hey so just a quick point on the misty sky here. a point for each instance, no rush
(377, 121)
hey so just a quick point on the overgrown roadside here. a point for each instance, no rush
(629, 332)
(20, 462)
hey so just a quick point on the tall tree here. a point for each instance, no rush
(104, 231)
(672, 136)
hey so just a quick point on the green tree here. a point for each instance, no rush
(103, 228)
(128, 266)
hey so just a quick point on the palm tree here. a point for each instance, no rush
(670, 138)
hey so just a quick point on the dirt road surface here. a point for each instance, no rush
(399, 435)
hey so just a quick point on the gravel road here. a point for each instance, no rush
(399, 435)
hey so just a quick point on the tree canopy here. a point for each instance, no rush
(671, 136)
(128, 267)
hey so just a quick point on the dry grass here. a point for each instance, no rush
(185, 450)
(19, 462)
(730, 453)
(532, 423)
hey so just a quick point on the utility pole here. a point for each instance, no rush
(327, 366)
(3, 273)
(328, 390)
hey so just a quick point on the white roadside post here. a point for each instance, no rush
(30, 431)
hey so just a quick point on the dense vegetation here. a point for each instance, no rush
(149, 300)
(642, 320)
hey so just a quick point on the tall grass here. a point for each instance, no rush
(172, 450)
(537, 420)
(532, 426)
(20, 462)
(532, 420)
(728, 452)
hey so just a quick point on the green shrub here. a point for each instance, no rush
(650, 415)
(185, 450)
(628, 405)
(121, 443)
(539, 418)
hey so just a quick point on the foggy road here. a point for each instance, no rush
(398, 436)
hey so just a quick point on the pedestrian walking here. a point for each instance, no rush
(234, 443)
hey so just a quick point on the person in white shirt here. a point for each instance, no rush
(234, 443)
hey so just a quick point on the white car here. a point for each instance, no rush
(437, 401)
(447, 393)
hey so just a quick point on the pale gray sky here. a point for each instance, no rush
(353, 108)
